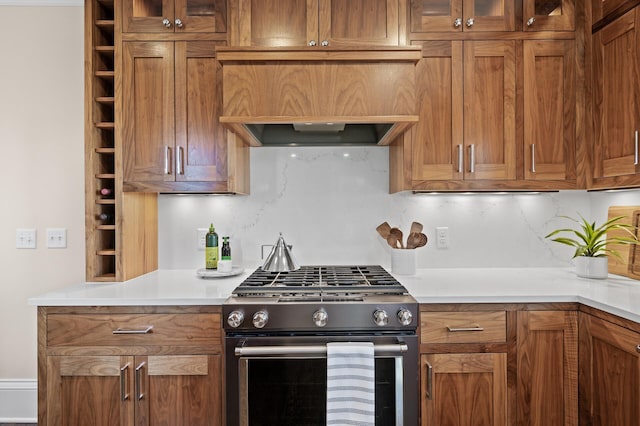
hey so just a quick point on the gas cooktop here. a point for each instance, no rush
(367, 279)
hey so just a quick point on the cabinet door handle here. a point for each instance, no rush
(139, 392)
(635, 161)
(180, 165)
(145, 330)
(638, 348)
(124, 374)
(458, 329)
(429, 381)
(179, 23)
(472, 158)
(460, 158)
(312, 43)
(457, 23)
(533, 158)
(530, 21)
(167, 160)
(166, 22)
(470, 22)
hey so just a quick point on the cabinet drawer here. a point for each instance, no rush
(133, 329)
(463, 327)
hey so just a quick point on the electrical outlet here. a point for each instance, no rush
(202, 237)
(25, 238)
(442, 237)
(56, 238)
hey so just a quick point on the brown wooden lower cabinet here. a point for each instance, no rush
(609, 371)
(488, 365)
(130, 366)
(547, 368)
(464, 389)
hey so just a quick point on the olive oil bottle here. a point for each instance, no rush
(211, 249)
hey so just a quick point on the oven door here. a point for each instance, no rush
(283, 380)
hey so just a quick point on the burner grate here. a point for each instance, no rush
(371, 279)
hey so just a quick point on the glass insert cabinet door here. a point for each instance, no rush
(160, 16)
(462, 15)
(548, 15)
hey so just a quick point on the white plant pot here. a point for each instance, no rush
(592, 267)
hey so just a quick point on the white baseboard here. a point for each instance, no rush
(18, 401)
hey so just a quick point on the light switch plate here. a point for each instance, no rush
(56, 238)
(25, 238)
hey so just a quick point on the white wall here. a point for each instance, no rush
(42, 173)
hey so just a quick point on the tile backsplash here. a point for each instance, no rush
(327, 202)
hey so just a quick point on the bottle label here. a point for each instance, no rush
(211, 257)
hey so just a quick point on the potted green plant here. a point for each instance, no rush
(593, 245)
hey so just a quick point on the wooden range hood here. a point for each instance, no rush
(266, 91)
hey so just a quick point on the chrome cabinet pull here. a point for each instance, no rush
(472, 158)
(307, 350)
(470, 22)
(180, 165)
(638, 348)
(139, 392)
(167, 161)
(121, 330)
(635, 161)
(458, 329)
(457, 22)
(533, 158)
(312, 43)
(429, 381)
(460, 158)
(325, 43)
(166, 22)
(123, 382)
(179, 23)
(530, 21)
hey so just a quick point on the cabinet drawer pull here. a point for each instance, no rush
(139, 392)
(472, 158)
(146, 330)
(124, 373)
(533, 158)
(429, 380)
(457, 329)
(635, 160)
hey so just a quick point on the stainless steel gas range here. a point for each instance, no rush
(278, 324)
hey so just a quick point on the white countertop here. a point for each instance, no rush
(617, 295)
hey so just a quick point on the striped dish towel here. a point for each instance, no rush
(350, 384)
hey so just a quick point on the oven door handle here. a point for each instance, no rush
(308, 350)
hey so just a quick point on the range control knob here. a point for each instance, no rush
(260, 319)
(320, 317)
(235, 319)
(380, 317)
(405, 316)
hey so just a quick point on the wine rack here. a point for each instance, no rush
(100, 146)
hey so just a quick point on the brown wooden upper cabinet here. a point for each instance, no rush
(467, 112)
(168, 16)
(616, 93)
(462, 15)
(549, 110)
(548, 15)
(171, 136)
(315, 23)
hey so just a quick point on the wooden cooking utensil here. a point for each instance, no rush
(383, 229)
(392, 240)
(398, 234)
(416, 228)
(421, 240)
(412, 240)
